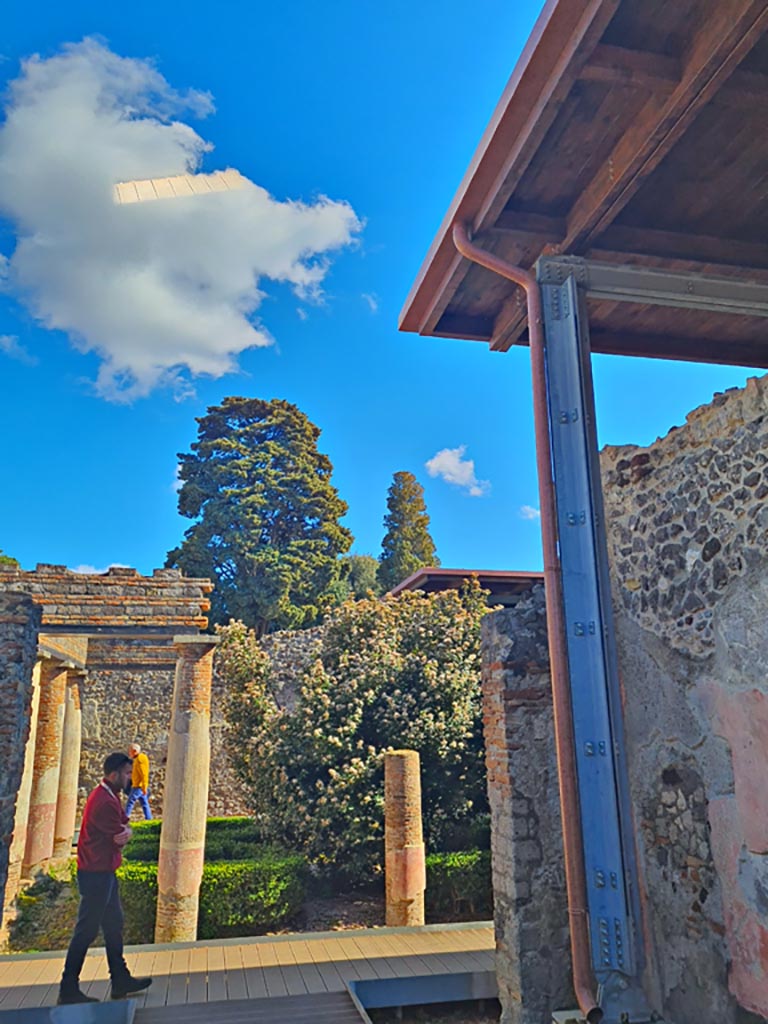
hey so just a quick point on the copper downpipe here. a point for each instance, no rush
(583, 980)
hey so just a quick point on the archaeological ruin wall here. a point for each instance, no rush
(687, 527)
(87, 665)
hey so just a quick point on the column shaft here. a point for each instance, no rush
(185, 807)
(20, 823)
(405, 873)
(69, 774)
(45, 770)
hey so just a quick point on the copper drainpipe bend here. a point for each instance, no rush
(583, 980)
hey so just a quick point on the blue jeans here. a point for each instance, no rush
(143, 798)
(99, 908)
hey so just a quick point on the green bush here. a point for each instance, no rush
(138, 894)
(238, 898)
(401, 672)
(459, 886)
(237, 838)
(247, 897)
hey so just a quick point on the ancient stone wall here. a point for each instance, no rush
(531, 918)
(687, 526)
(119, 626)
(688, 543)
(19, 625)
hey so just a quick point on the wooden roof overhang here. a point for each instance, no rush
(632, 132)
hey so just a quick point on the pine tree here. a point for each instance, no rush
(267, 516)
(407, 545)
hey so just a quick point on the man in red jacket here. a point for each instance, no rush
(103, 834)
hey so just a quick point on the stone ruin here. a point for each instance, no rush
(87, 665)
(687, 530)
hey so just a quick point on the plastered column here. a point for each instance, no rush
(45, 769)
(66, 803)
(403, 839)
(182, 837)
(19, 840)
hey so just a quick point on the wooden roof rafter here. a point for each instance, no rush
(634, 96)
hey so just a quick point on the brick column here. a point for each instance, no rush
(69, 774)
(19, 841)
(185, 807)
(45, 770)
(405, 873)
(530, 904)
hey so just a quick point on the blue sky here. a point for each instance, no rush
(377, 108)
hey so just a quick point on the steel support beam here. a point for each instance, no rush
(680, 289)
(596, 706)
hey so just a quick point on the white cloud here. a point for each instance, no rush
(12, 347)
(450, 465)
(529, 512)
(160, 290)
(371, 300)
(178, 483)
(91, 570)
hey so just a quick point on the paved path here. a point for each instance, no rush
(302, 965)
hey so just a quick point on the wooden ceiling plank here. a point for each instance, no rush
(718, 48)
(690, 350)
(577, 49)
(618, 65)
(682, 246)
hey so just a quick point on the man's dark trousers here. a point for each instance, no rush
(100, 907)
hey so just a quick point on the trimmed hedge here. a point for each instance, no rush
(459, 886)
(244, 898)
(237, 898)
(236, 838)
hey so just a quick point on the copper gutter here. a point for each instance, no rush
(583, 980)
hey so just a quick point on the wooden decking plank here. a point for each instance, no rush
(143, 965)
(25, 980)
(325, 967)
(177, 984)
(292, 975)
(346, 966)
(331, 1008)
(233, 960)
(375, 964)
(313, 980)
(217, 974)
(161, 979)
(197, 984)
(441, 962)
(400, 956)
(273, 975)
(94, 977)
(254, 976)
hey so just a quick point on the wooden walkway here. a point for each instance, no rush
(275, 967)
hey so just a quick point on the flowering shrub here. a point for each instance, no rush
(402, 672)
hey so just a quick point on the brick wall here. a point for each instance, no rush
(19, 625)
(530, 916)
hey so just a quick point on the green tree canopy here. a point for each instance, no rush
(7, 560)
(267, 529)
(361, 575)
(407, 545)
(398, 672)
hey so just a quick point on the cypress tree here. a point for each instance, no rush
(407, 544)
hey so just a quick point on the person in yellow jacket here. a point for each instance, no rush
(139, 781)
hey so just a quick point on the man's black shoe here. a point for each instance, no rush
(127, 986)
(76, 996)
